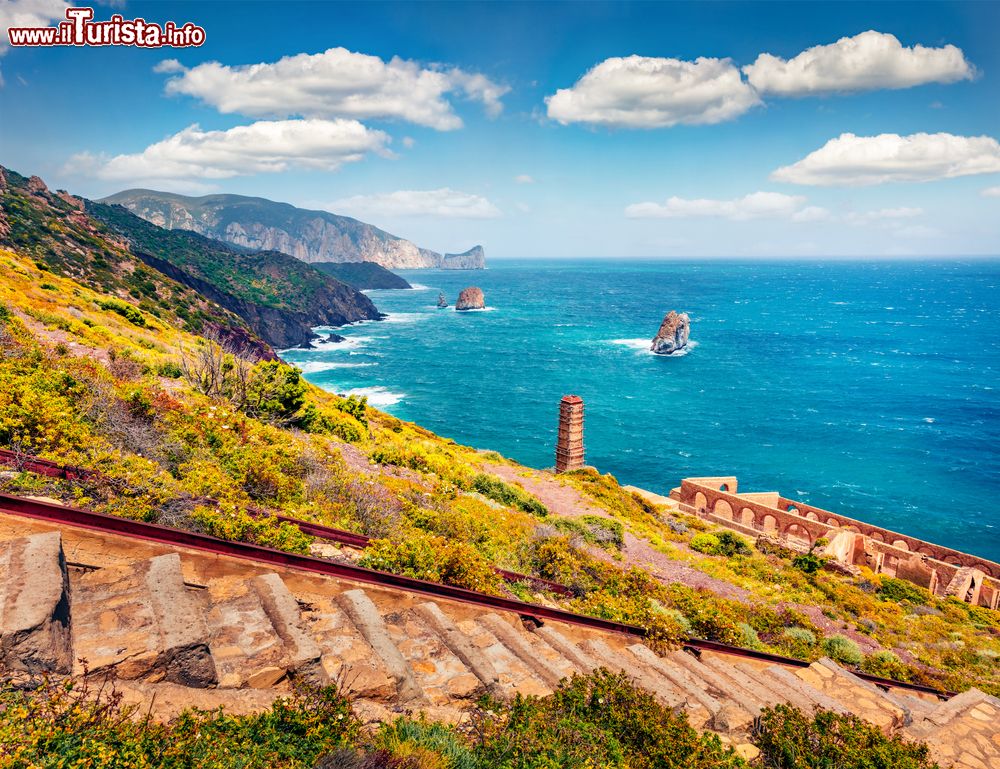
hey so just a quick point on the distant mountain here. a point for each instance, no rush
(280, 297)
(362, 275)
(312, 236)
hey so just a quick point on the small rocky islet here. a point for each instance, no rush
(673, 334)
(471, 298)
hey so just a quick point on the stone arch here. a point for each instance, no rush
(901, 544)
(853, 528)
(792, 509)
(769, 524)
(832, 522)
(812, 516)
(877, 536)
(700, 502)
(926, 551)
(723, 509)
(797, 532)
(724, 487)
(748, 517)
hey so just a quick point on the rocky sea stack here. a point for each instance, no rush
(673, 334)
(471, 299)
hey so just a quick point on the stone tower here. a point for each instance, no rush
(569, 447)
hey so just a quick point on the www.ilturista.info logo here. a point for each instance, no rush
(80, 29)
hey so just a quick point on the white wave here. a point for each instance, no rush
(405, 317)
(643, 345)
(475, 309)
(417, 287)
(378, 396)
(314, 367)
(635, 344)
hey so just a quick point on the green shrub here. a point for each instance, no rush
(170, 370)
(705, 543)
(842, 649)
(731, 544)
(789, 739)
(128, 311)
(886, 664)
(435, 559)
(600, 720)
(274, 392)
(356, 407)
(424, 743)
(229, 522)
(506, 494)
(899, 590)
(799, 635)
(750, 638)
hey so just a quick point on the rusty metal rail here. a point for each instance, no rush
(340, 536)
(87, 519)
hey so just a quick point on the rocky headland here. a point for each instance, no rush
(311, 236)
(471, 299)
(673, 334)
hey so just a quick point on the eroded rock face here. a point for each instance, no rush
(673, 334)
(471, 299)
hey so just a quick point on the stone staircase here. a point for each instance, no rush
(249, 632)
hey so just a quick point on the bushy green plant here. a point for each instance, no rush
(435, 559)
(274, 392)
(886, 664)
(170, 369)
(842, 649)
(705, 543)
(749, 639)
(130, 312)
(797, 642)
(600, 720)
(355, 406)
(731, 544)
(899, 590)
(230, 522)
(789, 739)
(508, 494)
(422, 743)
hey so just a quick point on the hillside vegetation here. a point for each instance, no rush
(186, 433)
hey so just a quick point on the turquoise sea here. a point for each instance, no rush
(871, 389)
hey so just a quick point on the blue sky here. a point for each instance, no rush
(545, 130)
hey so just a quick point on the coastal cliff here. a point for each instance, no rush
(673, 334)
(310, 236)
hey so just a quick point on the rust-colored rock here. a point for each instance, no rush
(673, 334)
(471, 299)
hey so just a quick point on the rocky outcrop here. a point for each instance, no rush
(471, 299)
(311, 236)
(473, 259)
(673, 334)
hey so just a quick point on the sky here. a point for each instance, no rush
(562, 130)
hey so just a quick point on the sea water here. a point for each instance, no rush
(870, 389)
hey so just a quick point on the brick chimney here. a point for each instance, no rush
(569, 447)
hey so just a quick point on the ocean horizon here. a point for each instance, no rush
(867, 388)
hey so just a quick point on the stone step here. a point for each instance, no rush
(516, 675)
(862, 698)
(367, 619)
(791, 682)
(576, 657)
(679, 678)
(255, 633)
(460, 645)
(519, 644)
(140, 621)
(719, 684)
(664, 690)
(347, 657)
(34, 605)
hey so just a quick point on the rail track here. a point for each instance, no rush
(88, 519)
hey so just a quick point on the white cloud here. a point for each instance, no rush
(524, 179)
(28, 13)
(339, 83)
(991, 192)
(644, 92)
(262, 147)
(756, 205)
(409, 142)
(168, 67)
(853, 161)
(888, 215)
(446, 203)
(864, 62)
